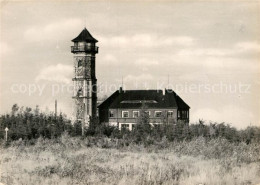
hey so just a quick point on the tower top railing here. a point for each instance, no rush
(86, 48)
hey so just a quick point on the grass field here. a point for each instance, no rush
(77, 161)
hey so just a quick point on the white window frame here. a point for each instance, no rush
(112, 113)
(123, 114)
(157, 112)
(138, 113)
(126, 125)
(170, 111)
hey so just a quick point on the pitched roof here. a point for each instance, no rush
(151, 98)
(85, 36)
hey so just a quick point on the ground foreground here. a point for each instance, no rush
(74, 161)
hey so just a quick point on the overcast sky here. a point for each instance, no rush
(209, 50)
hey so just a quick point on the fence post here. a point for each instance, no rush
(6, 130)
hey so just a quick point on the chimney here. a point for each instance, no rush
(121, 90)
(164, 92)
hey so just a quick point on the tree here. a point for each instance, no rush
(142, 128)
(15, 108)
(28, 124)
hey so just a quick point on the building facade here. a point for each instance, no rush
(123, 107)
(84, 81)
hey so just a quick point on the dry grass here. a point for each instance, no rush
(70, 161)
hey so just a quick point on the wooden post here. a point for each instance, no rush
(6, 130)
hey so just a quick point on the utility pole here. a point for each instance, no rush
(122, 82)
(55, 109)
(168, 81)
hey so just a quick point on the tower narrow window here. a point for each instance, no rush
(80, 63)
(80, 92)
(135, 114)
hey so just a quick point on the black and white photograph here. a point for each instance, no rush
(130, 92)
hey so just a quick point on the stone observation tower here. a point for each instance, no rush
(85, 89)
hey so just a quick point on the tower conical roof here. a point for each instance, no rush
(85, 36)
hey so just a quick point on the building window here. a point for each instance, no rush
(125, 114)
(89, 45)
(124, 126)
(81, 43)
(157, 114)
(111, 114)
(87, 106)
(184, 114)
(148, 113)
(170, 114)
(135, 114)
